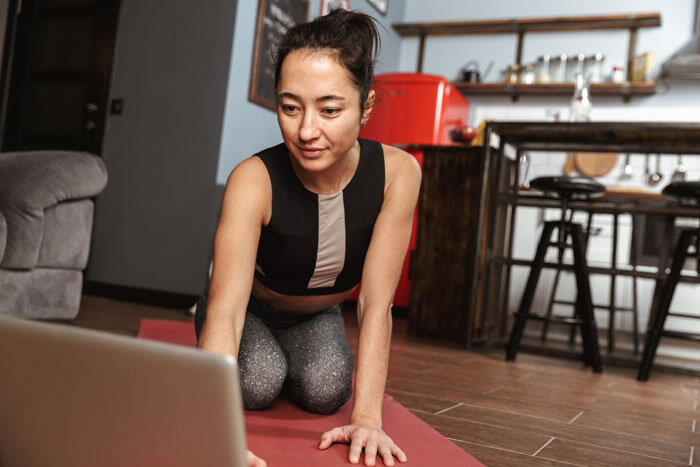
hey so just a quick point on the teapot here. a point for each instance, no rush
(470, 72)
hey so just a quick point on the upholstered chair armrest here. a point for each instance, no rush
(30, 182)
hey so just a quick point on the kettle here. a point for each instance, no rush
(470, 72)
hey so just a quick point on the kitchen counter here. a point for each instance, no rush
(636, 137)
(595, 137)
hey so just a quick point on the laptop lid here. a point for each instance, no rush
(75, 397)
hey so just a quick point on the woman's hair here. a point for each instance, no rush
(350, 36)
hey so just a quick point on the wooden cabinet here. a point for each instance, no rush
(447, 264)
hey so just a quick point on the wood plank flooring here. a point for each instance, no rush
(535, 411)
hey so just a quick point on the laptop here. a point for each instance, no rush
(74, 397)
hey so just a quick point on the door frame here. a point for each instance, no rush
(21, 18)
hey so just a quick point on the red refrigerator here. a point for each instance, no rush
(414, 108)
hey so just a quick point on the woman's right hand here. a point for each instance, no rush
(254, 461)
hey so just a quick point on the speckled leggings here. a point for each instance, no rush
(306, 355)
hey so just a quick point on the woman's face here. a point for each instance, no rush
(318, 109)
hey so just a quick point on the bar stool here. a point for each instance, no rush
(611, 306)
(566, 189)
(688, 193)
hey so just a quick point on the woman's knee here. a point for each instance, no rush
(322, 386)
(262, 365)
(262, 378)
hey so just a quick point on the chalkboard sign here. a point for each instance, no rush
(275, 17)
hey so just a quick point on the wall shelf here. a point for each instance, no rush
(519, 26)
(626, 90)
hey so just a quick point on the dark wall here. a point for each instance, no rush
(155, 221)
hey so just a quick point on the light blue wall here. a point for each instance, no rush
(248, 127)
(445, 56)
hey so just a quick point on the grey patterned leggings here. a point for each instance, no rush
(308, 356)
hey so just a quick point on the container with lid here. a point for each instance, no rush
(543, 70)
(512, 74)
(574, 66)
(527, 74)
(593, 68)
(618, 74)
(557, 68)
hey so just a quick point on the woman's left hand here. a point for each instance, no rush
(367, 436)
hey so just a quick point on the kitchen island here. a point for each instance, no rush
(505, 145)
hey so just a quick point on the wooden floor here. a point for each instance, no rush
(535, 411)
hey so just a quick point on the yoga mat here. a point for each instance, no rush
(287, 436)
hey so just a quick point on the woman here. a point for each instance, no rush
(301, 224)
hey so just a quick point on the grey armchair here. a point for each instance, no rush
(46, 217)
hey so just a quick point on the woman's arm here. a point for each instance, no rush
(380, 275)
(245, 208)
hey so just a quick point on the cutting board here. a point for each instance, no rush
(590, 164)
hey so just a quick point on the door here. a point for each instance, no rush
(56, 73)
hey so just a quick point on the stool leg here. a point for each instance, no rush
(552, 297)
(662, 304)
(633, 262)
(583, 293)
(587, 238)
(697, 252)
(529, 292)
(635, 316)
(562, 236)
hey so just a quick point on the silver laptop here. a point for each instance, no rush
(73, 397)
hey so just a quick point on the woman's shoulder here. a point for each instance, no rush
(250, 175)
(250, 168)
(248, 187)
(400, 163)
(257, 166)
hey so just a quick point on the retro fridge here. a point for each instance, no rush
(414, 109)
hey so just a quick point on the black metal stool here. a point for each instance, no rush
(687, 193)
(566, 188)
(611, 307)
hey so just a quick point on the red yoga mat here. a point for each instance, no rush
(285, 435)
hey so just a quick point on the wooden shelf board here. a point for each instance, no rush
(516, 25)
(610, 89)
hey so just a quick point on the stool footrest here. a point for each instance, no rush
(684, 315)
(681, 335)
(555, 319)
(560, 245)
(602, 307)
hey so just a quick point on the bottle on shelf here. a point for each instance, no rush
(580, 105)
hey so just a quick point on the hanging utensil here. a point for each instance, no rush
(659, 175)
(647, 169)
(627, 170)
(679, 171)
(655, 177)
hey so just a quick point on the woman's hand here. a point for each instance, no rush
(254, 461)
(367, 436)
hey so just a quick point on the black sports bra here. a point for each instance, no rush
(316, 244)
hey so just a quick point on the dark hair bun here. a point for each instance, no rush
(352, 36)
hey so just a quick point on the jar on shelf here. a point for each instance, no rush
(618, 74)
(593, 68)
(543, 74)
(557, 68)
(512, 74)
(574, 67)
(527, 74)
